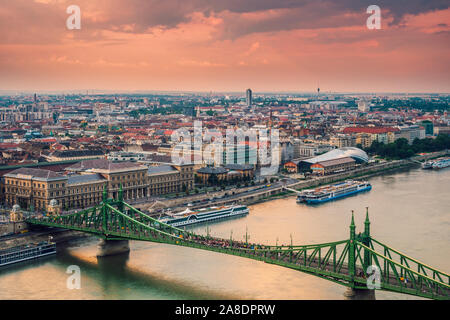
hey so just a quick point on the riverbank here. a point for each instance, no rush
(58, 236)
(360, 173)
(356, 174)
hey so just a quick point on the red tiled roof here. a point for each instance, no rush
(372, 130)
(50, 140)
(141, 137)
(8, 145)
(136, 130)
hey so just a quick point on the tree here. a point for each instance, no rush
(401, 149)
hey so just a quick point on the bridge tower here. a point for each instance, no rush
(352, 292)
(351, 250)
(107, 247)
(366, 241)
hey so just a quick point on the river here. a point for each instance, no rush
(409, 211)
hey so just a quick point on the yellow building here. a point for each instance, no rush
(30, 188)
(364, 139)
(83, 185)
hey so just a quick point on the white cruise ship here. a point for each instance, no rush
(189, 217)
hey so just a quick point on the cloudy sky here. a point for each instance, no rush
(225, 45)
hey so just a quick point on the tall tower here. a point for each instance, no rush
(249, 98)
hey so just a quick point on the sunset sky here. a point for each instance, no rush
(225, 45)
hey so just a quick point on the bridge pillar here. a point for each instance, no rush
(359, 294)
(112, 247)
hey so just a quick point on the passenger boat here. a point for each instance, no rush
(26, 252)
(333, 191)
(427, 165)
(441, 163)
(189, 217)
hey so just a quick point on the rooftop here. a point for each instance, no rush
(77, 153)
(104, 164)
(212, 170)
(35, 174)
(239, 166)
(333, 162)
(372, 130)
(161, 169)
(85, 178)
(355, 153)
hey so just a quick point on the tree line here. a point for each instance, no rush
(401, 149)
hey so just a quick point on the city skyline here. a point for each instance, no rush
(269, 46)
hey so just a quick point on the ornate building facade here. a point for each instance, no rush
(83, 183)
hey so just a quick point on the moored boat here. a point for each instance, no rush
(333, 191)
(441, 163)
(26, 252)
(189, 217)
(427, 165)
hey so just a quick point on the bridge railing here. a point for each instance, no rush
(412, 263)
(398, 276)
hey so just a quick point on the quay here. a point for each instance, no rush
(19, 233)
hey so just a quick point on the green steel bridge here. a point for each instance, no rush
(345, 262)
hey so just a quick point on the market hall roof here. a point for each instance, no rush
(355, 153)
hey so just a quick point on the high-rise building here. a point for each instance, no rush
(428, 125)
(249, 97)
